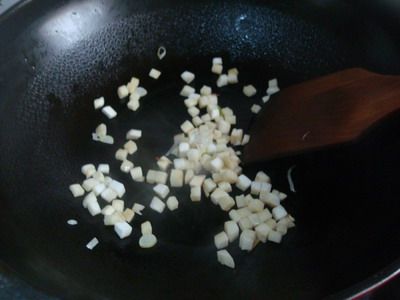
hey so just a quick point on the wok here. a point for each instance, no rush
(57, 56)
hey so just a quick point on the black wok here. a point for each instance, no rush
(57, 56)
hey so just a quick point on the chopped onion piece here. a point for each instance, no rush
(279, 212)
(226, 203)
(101, 130)
(121, 154)
(98, 189)
(208, 186)
(146, 228)
(270, 199)
(161, 190)
(187, 126)
(118, 205)
(137, 174)
(122, 229)
(217, 61)
(205, 90)
(122, 91)
(137, 208)
(271, 223)
(290, 179)
(118, 187)
(226, 186)
(247, 239)
(89, 184)
(94, 208)
(245, 223)
(243, 182)
(249, 90)
(233, 214)
(126, 166)
(222, 80)
(264, 215)
(88, 170)
(154, 73)
(176, 178)
(89, 198)
(133, 103)
(224, 258)
(109, 112)
(76, 190)
(163, 163)
(157, 205)
(197, 180)
(147, 241)
(221, 240)
(172, 203)
(195, 193)
(193, 111)
(187, 90)
(232, 230)
(93, 243)
(132, 85)
(111, 220)
(262, 232)
(141, 91)
(255, 108)
(275, 236)
(72, 222)
(217, 68)
(107, 210)
(154, 176)
(98, 103)
(265, 99)
(272, 90)
(161, 52)
(187, 76)
(130, 147)
(128, 215)
(134, 134)
(103, 168)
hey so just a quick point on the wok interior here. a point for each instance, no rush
(346, 206)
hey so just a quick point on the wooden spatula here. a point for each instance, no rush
(327, 111)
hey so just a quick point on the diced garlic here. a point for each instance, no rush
(126, 166)
(243, 212)
(275, 236)
(265, 99)
(107, 210)
(187, 126)
(264, 215)
(224, 258)
(163, 163)
(188, 176)
(217, 61)
(193, 155)
(243, 182)
(133, 103)
(241, 201)
(271, 223)
(217, 195)
(154, 73)
(89, 184)
(254, 219)
(176, 178)
(141, 91)
(269, 199)
(247, 239)
(172, 203)
(205, 90)
(262, 232)
(137, 174)
(157, 205)
(122, 229)
(249, 90)
(161, 190)
(233, 214)
(217, 68)
(111, 220)
(103, 168)
(279, 212)
(193, 111)
(108, 194)
(187, 76)
(118, 205)
(109, 112)
(118, 187)
(225, 186)
(197, 180)
(226, 203)
(122, 91)
(121, 154)
(147, 241)
(76, 190)
(134, 134)
(187, 90)
(183, 148)
(195, 193)
(222, 80)
(208, 186)
(130, 147)
(146, 228)
(101, 130)
(94, 208)
(98, 103)
(221, 240)
(132, 85)
(88, 170)
(128, 215)
(256, 205)
(245, 223)
(255, 108)
(216, 164)
(137, 208)
(232, 230)
(93, 243)
(98, 189)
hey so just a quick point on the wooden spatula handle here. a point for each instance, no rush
(330, 110)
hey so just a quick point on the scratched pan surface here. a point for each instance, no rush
(56, 57)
